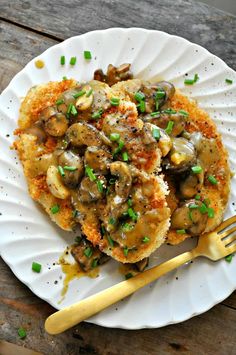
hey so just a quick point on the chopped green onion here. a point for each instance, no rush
(210, 212)
(110, 241)
(55, 209)
(184, 113)
(132, 214)
(97, 115)
(139, 96)
(88, 252)
(125, 156)
(203, 208)
(89, 93)
(69, 168)
(94, 263)
(180, 231)
(154, 114)
(69, 108)
(100, 186)
(169, 127)
(142, 106)
(87, 55)
(229, 81)
(103, 230)
(198, 197)
(119, 148)
(115, 101)
(112, 220)
(72, 60)
(78, 239)
(36, 267)
(193, 206)
(73, 110)
(197, 169)
(129, 202)
(128, 276)
(191, 81)
(89, 173)
(59, 102)
(190, 215)
(146, 239)
(64, 78)
(170, 111)
(196, 77)
(160, 94)
(156, 133)
(61, 170)
(229, 258)
(212, 180)
(22, 333)
(126, 250)
(79, 93)
(63, 60)
(114, 137)
(127, 227)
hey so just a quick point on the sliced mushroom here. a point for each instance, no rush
(55, 184)
(89, 190)
(114, 74)
(41, 164)
(55, 123)
(98, 159)
(168, 88)
(124, 183)
(181, 156)
(84, 102)
(150, 91)
(190, 219)
(178, 119)
(82, 133)
(37, 130)
(164, 142)
(72, 161)
(190, 186)
(142, 264)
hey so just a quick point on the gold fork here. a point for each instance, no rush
(214, 245)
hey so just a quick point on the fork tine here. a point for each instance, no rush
(227, 232)
(231, 249)
(229, 240)
(226, 223)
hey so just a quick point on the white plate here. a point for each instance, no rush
(27, 234)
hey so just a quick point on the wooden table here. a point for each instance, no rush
(29, 27)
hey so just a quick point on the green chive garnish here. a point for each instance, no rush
(94, 263)
(145, 239)
(127, 227)
(59, 102)
(196, 169)
(22, 333)
(110, 241)
(139, 96)
(154, 114)
(129, 202)
(184, 113)
(69, 108)
(88, 252)
(156, 133)
(190, 215)
(210, 212)
(169, 127)
(89, 173)
(73, 110)
(132, 214)
(125, 156)
(229, 81)
(142, 106)
(180, 231)
(160, 94)
(72, 60)
(63, 60)
(78, 239)
(203, 208)
(89, 93)
(75, 213)
(119, 148)
(97, 115)
(61, 170)
(212, 180)
(128, 276)
(69, 168)
(87, 55)
(193, 206)
(79, 93)
(169, 111)
(112, 220)
(100, 186)
(126, 250)
(192, 81)
(36, 267)
(229, 258)
(197, 197)
(64, 78)
(114, 137)
(115, 101)
(55, 209)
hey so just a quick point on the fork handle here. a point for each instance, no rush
(78, 312)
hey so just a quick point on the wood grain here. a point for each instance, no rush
(195, 21)
(28, 28)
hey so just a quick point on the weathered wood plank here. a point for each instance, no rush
(195, 21)
(19, 307)
(18, 47)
